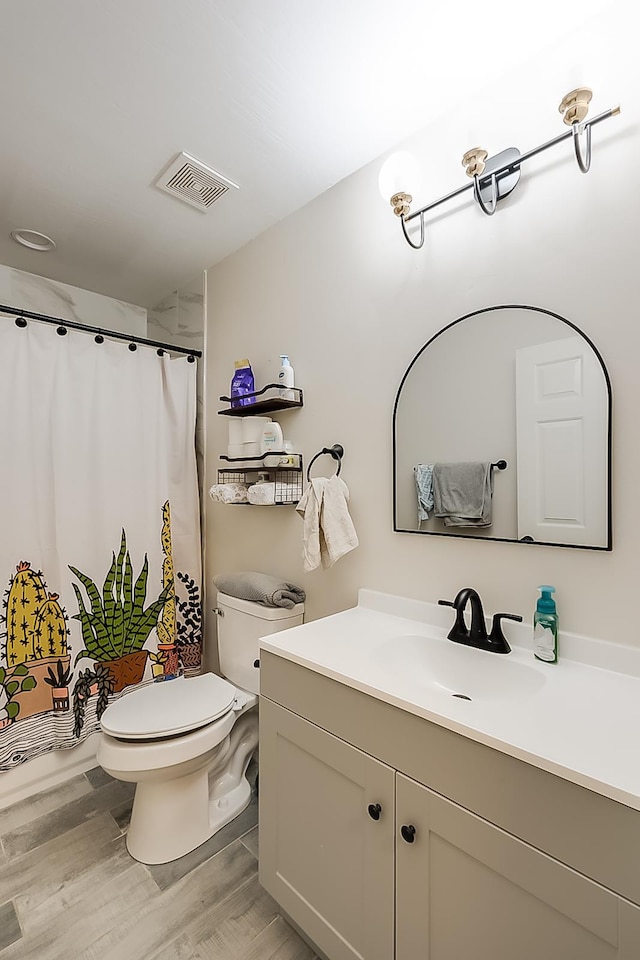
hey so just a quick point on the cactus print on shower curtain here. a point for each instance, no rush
(35, 621)
(115, 647)
(34, 645)
(97, 441)
(35, 664)
(166, 628)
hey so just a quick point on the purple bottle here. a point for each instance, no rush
(242, 384)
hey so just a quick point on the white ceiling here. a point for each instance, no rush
(284, 97)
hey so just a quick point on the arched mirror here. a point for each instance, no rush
(502, 431)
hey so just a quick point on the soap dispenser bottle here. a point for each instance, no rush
(286, 377)
(545, 626)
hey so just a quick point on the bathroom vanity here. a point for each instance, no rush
(419, 799)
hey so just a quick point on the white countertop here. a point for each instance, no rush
(578, 718)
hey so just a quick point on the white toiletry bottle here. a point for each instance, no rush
(272, 442)
(286, 378)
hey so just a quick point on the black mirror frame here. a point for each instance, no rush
(466, 536)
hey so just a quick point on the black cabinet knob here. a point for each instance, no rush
(408, 832)
(374, 810)
(256, 663)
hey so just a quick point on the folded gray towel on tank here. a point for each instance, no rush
(462, 493)
(260, 588)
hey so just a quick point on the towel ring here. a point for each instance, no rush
(336, 451)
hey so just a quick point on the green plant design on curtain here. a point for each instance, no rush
(189, 626)
(9, 686)
(100, 681)
(59, 678)
(117, 625)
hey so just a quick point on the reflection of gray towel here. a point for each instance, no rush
(462, 493)
(261, 588)
(423, 473)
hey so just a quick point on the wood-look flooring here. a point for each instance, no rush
(70, 891)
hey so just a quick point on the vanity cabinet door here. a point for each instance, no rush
(465, 888)
(326, 850)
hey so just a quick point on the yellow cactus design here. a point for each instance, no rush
(166, 628)
(27, 592)
(50, 629)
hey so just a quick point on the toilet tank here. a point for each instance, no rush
(241, 623)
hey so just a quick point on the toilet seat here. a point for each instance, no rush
(166, 709)
(186, 743)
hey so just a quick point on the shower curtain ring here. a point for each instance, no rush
(584, 160)
(490, 207)
(416, 246)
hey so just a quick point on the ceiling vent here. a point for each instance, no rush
(193, 182)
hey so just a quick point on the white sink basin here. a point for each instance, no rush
(576, 718)
(456, 670)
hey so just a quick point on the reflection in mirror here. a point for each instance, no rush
(509, 383)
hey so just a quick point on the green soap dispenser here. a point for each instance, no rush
(545, 627)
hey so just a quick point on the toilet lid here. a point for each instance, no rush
(168, 708)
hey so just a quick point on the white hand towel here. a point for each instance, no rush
(328, 530)
(228, 492)
(262, 493)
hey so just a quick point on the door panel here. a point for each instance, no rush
(465, 888)
(323, 858)
(562, 430)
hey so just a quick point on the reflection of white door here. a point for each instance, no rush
(562, 425)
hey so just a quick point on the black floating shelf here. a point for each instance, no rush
(259, 461)
(263, 404)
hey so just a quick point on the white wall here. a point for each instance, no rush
(179, 318)
(336, 286)
(30, 291)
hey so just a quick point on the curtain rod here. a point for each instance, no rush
(116, 335)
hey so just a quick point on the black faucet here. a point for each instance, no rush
(476, 636)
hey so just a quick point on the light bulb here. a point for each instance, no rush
(400, 172)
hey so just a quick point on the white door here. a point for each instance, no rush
(562, 429)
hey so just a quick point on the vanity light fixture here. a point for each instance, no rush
(493, 178)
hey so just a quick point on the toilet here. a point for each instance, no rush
(186, 743)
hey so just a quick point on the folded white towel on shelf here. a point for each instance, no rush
(229, 493)
(328, 530)
(269, 493)
(262, 493)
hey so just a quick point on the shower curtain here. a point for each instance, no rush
(100, 560)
